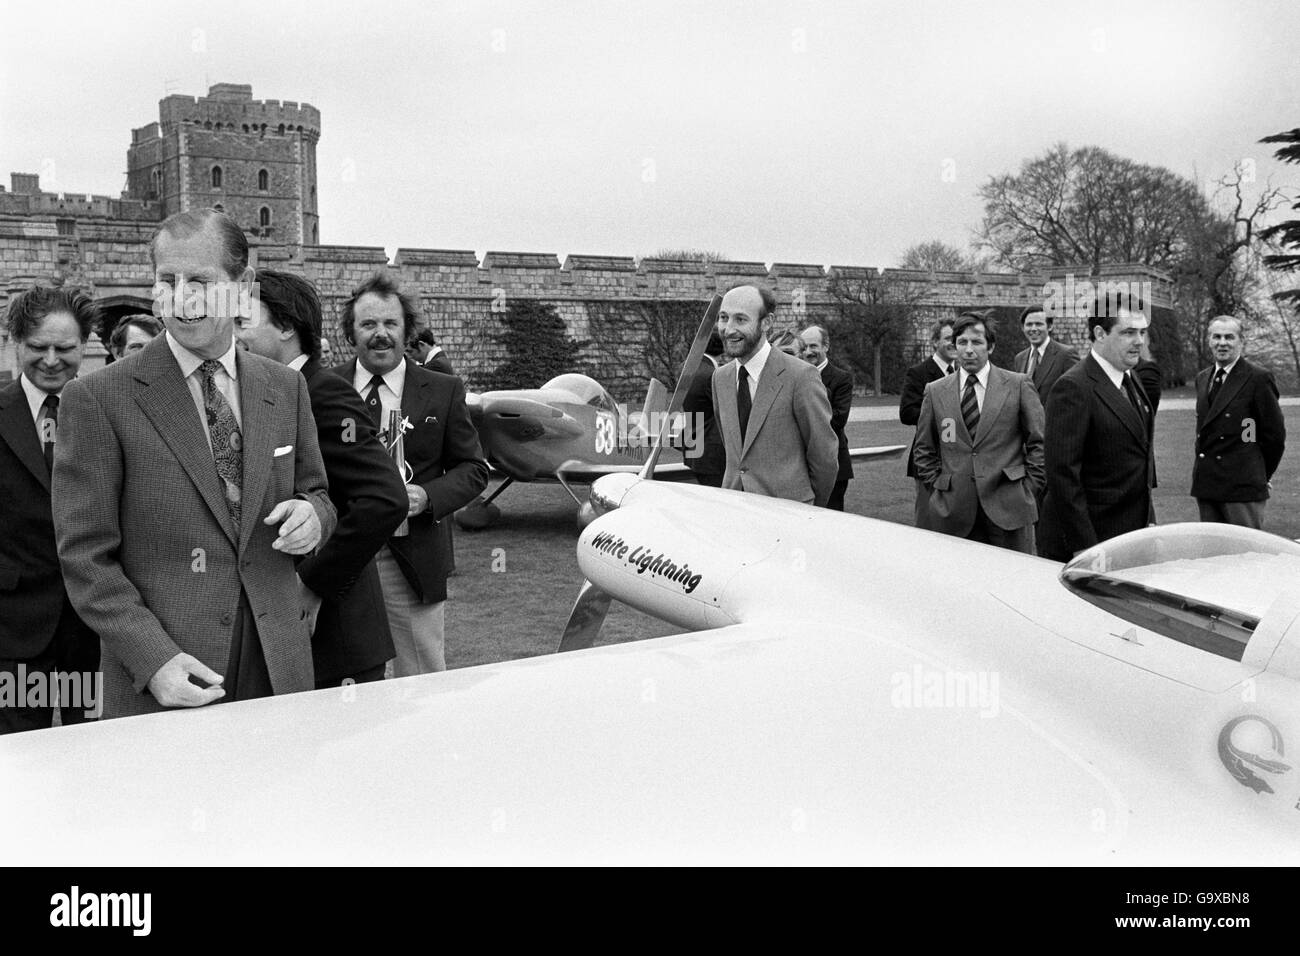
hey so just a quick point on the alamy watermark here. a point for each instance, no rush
(77, 690)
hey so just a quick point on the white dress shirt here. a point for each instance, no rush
(35, 398)
(299, 362)
(390, 392)
(1116, 375)
(226, 381)
(981, 383)
(754, 367)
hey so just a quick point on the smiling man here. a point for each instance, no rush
(1240, 432)
(1046, 359)
(772, 408)
(448, 470)
(189, 480)
(40, 631)
(1100, 448)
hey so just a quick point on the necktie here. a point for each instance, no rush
(970, 406)
(744, 402)
(372, 401)
(227, 442)
(1033, 361)
(47, 426)
(1214, 385)
(1131, 392)
(951, 368)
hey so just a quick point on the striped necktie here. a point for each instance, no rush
(970, 406)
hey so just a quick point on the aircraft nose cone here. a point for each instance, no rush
(607, 492)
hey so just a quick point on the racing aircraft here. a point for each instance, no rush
(572, 431)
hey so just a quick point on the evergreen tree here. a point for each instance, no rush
(538, 347)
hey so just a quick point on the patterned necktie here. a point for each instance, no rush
(1214, 385)
(47, 421)
(373, 403)
(970, 406)
(227, 442)
(1033, 361)
(744, 401)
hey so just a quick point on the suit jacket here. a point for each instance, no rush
(1148, 373)
(698, 404)
(153, 560)
(839, 389)
(789, 449)
(1057, 360)
(909, 404)
(1240, 437)
(352, 632)
(443, 451)
(1100, 464)
(32, 595)
(999, 468)
(439, 363)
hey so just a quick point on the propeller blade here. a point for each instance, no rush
(689, 367)
(586, 619)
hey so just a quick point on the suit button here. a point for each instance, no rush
(744, 471)
(227, 618)
(1201, 455)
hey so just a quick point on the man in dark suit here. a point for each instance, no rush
(1240, 432)
(839, 388)
(448, 470)
(772, 408)
(40, 631)
(351, 641)
(701, 431)
(1045, 360)
(979, 445)
(187, 483)
(1100, 449)
(426, 351)
(939, 364)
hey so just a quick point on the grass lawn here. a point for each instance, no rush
(519, 609)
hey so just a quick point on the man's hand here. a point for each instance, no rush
(171, 686)
(311, 602)
(300, 532)
(417, 500)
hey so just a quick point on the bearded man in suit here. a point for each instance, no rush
(448, 470)
(188, 480)
(773, 409)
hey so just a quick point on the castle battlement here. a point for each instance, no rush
(230, 107)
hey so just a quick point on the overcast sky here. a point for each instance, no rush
(832, 133)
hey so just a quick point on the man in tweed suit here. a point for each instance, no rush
(188, 480)
(773, 409)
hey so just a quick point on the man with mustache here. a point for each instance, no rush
(1240, 432)
(1099, 446)
(773, 409)
(447, 466)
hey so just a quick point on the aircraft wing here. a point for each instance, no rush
(585, 472)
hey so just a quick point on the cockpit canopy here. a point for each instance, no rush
(1207, 585)
(587, 390)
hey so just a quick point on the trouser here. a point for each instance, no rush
(417, 628)
(70, 665)
(836, 501)
(709, 480)
(986, 532)
(922, 519)
(246, 675)
(1248, 514)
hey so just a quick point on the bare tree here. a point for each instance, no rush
(874, 311)
(938, 256)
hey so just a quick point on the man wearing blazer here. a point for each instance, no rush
(187, 481)
(351, 641)
(447, 466)
(839, 388)
(1240, 432)
(979, 445)
(939, 364)
(1099, 449)
(772, 408)
(1045, 360)
(40, 631)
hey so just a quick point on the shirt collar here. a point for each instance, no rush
(756, 363)
(982, 376)
(35, 397)
(822, 367)
(943, 366)
(298, 363)
(1042, 349)
(395, 378)
(1116, 375)
(188, 361)
(1227, 369)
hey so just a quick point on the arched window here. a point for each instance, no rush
(315, 235)
(263, 180)
(281, 129)
(216, 177)
(264, 217)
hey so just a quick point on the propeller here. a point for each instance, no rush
(589, 610)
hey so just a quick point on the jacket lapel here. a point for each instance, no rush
(257, 404)
(769, 386)
(1115, 399)
(724, 389)
(18, 431)
(994, 398)
(167, 403)
(1227, 391)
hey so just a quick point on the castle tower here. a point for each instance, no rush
(253, 159)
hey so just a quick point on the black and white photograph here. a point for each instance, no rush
(759, 434)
